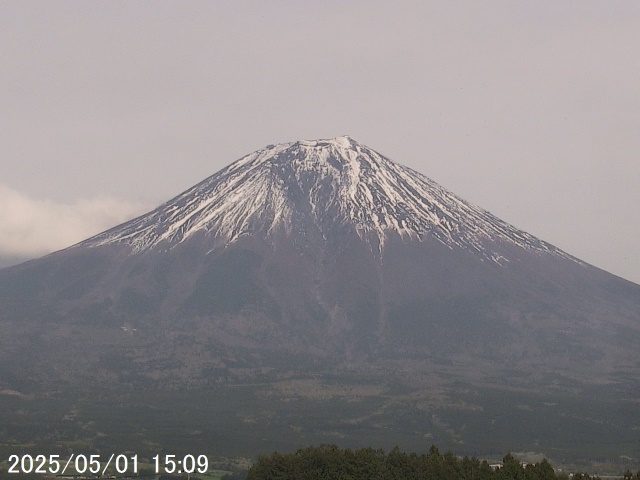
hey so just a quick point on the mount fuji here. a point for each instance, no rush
(320, 276)
(321, 185)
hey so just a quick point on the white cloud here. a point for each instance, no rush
(30, 227)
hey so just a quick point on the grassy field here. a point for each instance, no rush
(232, 424)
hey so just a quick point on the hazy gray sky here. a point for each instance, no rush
(528, 109)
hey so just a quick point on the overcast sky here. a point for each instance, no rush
(528, 109)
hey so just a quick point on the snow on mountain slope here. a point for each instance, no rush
(334, 182)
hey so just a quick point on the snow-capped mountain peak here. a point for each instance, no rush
(332, 183)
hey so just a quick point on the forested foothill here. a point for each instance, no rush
(331, 462)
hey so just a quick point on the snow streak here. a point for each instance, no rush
(335, 182)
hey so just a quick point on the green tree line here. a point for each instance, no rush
(329, 462)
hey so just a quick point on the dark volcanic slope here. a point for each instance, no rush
(323, 256)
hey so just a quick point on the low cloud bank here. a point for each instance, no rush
(32, 227)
